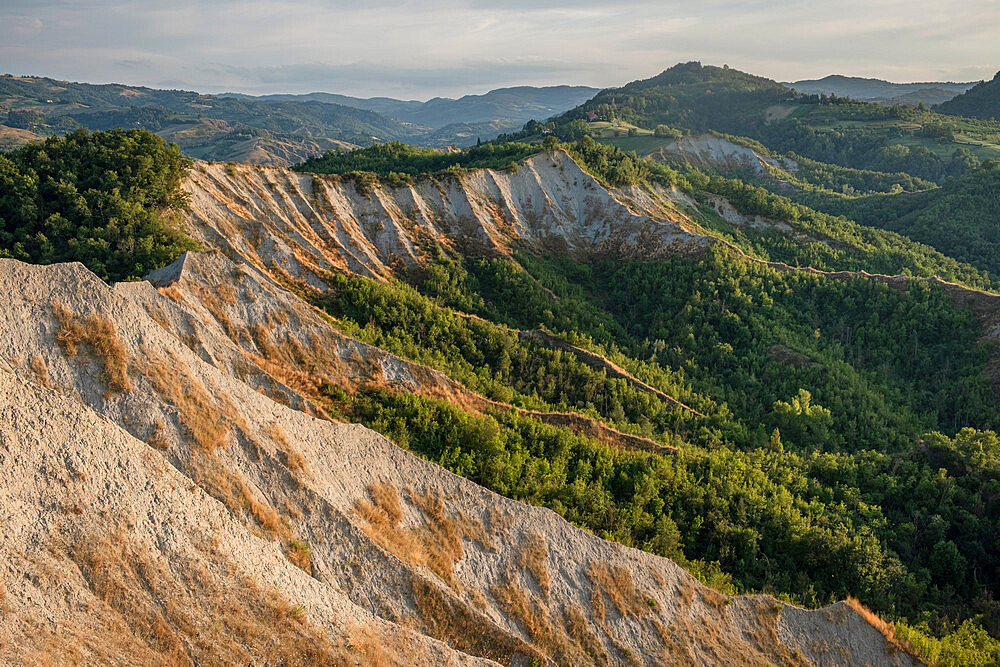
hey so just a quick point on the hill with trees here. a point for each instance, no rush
(980, 101)
(278, 129)
(692, 97)
(959, 218)
(512, 106)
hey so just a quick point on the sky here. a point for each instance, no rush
(419, 50)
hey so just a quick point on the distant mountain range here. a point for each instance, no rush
(277, 129)
(517, 105)
(882, 92)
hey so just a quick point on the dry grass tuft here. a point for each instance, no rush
(158, 438)
(99, 333)
(713, 597)
(227, 293)
(686, 592)
(577, 627)
(217, 307)
(292, 457)
(41, 371)
(534, 557)
(444, 534)
(894, 644)
(173, 293)
(382, 518)
(616, 582)
(300, 555)
(229, 488)
(203, 416)
(262, 337)
(373, 648)
(597, 604)
(437, 544)
(457, 624)
(535, 619)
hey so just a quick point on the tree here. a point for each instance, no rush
(803, 422)
(947, 563)
(667, 132)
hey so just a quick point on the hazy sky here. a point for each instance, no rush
(422, 49)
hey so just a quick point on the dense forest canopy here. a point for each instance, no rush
(98, 198)
(816, 470)
(959, 218)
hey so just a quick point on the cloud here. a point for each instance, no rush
(23, 26)
(450, 47)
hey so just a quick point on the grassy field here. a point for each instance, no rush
(643, 144)
(980, 137)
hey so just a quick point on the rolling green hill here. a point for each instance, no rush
(512, 106)
(274, 129)
(961, 218)
(860, 135)
(691, 96)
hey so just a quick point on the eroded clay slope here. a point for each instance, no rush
(152, 488)
(110, 555)
(305, 224)
(240, 320)
(712, 151)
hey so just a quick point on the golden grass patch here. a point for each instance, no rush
(455, 622)
(207, 419)
(292, 457)
(101, 336)
(201, 615)
(437, 544)
(616, 582)
(300, 555)
(534, 557)
(894, 644)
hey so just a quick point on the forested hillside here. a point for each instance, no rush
(512, 106)
(279, 129)
(845, 132)
(980, 101)
(959, 218)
